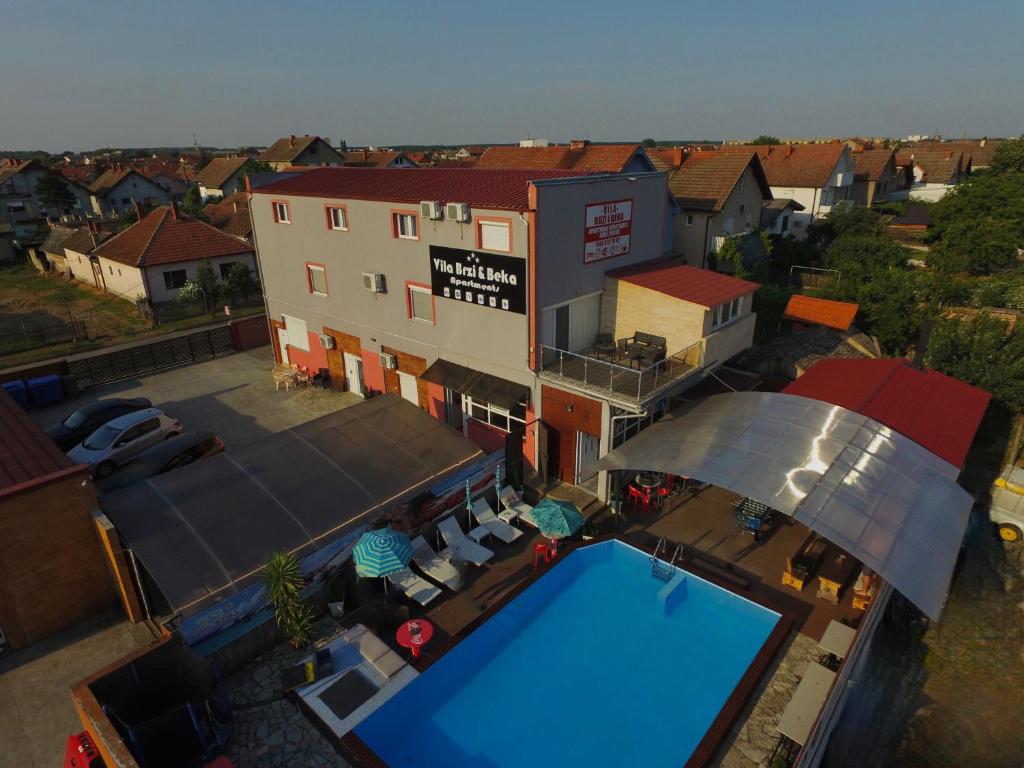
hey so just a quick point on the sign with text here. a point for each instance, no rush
(608, 227)
(474, 277)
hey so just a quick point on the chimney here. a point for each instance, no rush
(789, 150)
(174, 211)
(677, 156)
(366, 153)
(291, 142)
(575, 145)
(138, 210)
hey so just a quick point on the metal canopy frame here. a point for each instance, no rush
(884, 499)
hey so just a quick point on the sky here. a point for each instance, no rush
(81, 75)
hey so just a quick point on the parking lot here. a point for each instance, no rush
(233, 396)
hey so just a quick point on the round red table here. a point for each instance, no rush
(406, 639)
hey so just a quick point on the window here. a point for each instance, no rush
(225, 269)
(743, 208)
(281, 213)
(421, 304)
(118, 271)
(724, 313)
(624, 429)
(298, 335)
(689, 219)
(125, 200)
(496, 416)
(316, 278)
(175, 279)
(406, 226)
(739, 187)
(337, 218)
(493, 235)
(110, 269)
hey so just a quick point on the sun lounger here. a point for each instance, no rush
(513, 505)
(485, 516)
(415, 588)
(465, 549)
(375, 650)
(435, 567)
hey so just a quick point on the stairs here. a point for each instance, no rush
(659, 568)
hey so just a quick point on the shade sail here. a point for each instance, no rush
(203, 531)
(889, 502)
(479, 386)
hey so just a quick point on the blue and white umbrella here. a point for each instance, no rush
(380, 552)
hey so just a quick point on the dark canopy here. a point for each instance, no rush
(479, 386)
(203, 531)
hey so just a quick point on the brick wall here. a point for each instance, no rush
(343, 342)
(628, 308)
(52, 570)
(412, 365)
(563, 425)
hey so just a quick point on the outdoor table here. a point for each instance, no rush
(648, 481)
(803, 709)
(837, 639)
(406, 639)
(834, 573)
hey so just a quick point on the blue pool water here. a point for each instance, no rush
(586, 667)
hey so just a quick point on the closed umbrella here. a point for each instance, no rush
(557, 519)
(380, 552)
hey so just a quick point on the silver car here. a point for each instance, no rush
(119, 441)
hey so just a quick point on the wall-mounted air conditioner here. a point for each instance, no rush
(373, 281)
(388, 361)
(431, 209)
(457, 212)
(327, 342)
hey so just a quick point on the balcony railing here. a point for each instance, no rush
(618, 381)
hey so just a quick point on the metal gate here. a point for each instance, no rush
(155, 356)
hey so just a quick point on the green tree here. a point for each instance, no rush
(282, 578)
(859, 259)
(764, 138)
(130, 217)
(193, 203)
(648, 143)
(53, 192)
(845, 221)
(770, 304)
(241, 282)
(891, 308)
(1008, 157)
(208, 284)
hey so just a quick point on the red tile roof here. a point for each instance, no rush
(795, 165)
(160, 238)
(602, 158)
(217, 172)
(939, 166)
(26, 453)
(361, 158)
(231, 215)
(289, 148)
(681, 281)
(705, 180)
(496, 189)
(870, 164)
(937, 411)
(831, 314)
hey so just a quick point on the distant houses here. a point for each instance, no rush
(118, 189)
(299, 151)
(221, 177)
(876, 176)
(932, 171)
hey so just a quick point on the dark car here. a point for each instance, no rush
(78, 425)
(172, 453)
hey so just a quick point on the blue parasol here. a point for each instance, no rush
(380, 552)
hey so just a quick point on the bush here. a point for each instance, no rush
(283, 580)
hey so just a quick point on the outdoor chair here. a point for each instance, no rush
(496, 527)
(514, 506)
(434, 566)
(465, 548)
(415, 588)
(605, 346)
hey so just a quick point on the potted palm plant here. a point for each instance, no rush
(282, 577)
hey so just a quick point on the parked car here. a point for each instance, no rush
(121, 440)
(78, 425)
(164, 457)
(1007, 510)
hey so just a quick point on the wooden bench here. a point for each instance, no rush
(801, 566)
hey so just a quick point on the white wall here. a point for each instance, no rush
(158, 292)
(121, 280)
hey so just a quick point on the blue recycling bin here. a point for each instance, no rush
(18, 392)
(45, 390)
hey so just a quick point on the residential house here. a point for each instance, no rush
(577, 155)
(875, 176)
(979, 152)
(20, 207)
(78, 250)
(301, 150)
(231, 215)
(381, 158)
(720, 195)
(931, 172)
(120, 187)
(221, 177)
(490, 299)
(170, 181)
(471, 153)
(818, 176)
(51, 253)
(153, 258)
(777, 215)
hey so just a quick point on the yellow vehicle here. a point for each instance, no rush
(1007, 510)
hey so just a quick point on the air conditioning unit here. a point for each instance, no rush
(457, 212)
(327, 342)
(373, 281)
(388, 361)
(431, 209)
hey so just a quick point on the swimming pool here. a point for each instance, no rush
(597, 663)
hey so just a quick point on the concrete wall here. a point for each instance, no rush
(628, 308)
(81, 267)
(688, 239)
(157, 290)
(732, 338)
(121, 280)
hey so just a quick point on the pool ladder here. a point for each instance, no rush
(659, 568)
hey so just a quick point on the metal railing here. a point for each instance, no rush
(614, 379)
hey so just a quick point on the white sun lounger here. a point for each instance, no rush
(465, 549)
(485, 516)
(415, 588)
(513, 505)
(436, 567)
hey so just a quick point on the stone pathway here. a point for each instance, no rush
(753, 738)
(269, 731)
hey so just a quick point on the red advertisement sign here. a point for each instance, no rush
(608, 227)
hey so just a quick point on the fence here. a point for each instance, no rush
(33, 335)
(166, 311)
(813, 277)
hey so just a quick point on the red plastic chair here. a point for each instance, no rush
(540, 550)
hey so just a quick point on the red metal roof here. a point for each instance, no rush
(26, 453)
(497, 189)
(681, 281)
(937, 411)
(831, 314)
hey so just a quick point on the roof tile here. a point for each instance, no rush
(831, 314)
(682, 281)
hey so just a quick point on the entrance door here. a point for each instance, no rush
(562, 327)
(282, 341)
(407, 385)
(354, 374)
(587, 447)
(453, 410)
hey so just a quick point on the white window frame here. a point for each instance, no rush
(688, 220)
(282, 212)
(336, 213)
(739, 188)
(624, 429)
(412, 220)
(484, 224)
(493, 413)
(412, 304)
(298, 332)
(723, 314)
(310, 269)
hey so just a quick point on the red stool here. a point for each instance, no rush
(540, 551)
